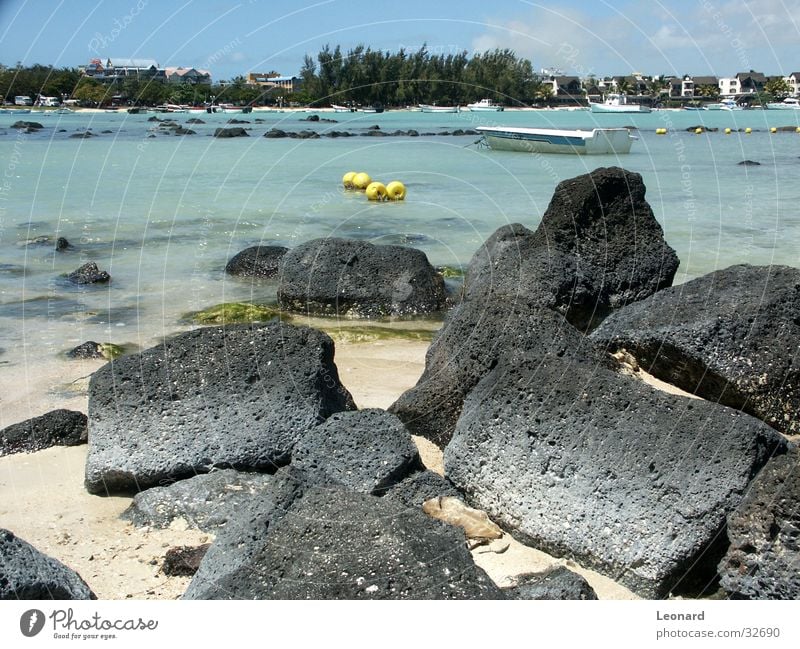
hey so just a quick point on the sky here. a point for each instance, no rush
(599, 37)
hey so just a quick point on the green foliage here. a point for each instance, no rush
(709, 91)
(37, 79)
(777, 88)
(366, 76)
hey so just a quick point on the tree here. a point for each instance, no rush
(709, 91)
(778, 88)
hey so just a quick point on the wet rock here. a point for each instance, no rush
(276, 133)
(22, 124)
(339, 544)
(749, 163)
(764, 532)
(367, 451)
(82, 135)
(708, 338)
(236, 131)
(557, 584)
(62, 244)
(238, 121)
(89, 274)
(26, 573)
(587, 463)
(195, 120)
(89, 349)
(205, 502)
(356, 278)
(55, 428)
(238, 396)
(257, 261)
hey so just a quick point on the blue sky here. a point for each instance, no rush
(601, 37)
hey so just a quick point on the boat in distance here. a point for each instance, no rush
(485, 106)
(429, 108)
(790, 103)
(596, 141)
(615, 103)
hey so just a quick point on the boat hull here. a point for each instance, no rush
(438, 109)
(484, 109)
(625, 108)
(594, 142)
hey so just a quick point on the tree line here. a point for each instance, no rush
(366, 76)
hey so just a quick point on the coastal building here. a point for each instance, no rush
(751, 82)
(794, 83)
(117, 70)
(187, 75)
(703, 85)
(566, 89)
(274, 81)
(729, 87)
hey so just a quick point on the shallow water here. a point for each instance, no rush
(163, 214)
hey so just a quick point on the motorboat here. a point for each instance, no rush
(616, 103)
(485, 106)
(431, 108)
(790, 103)
(596, 141)
(338, 108)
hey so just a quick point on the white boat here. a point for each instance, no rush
(596, 141)
(485, 106)
(14, 111)
(615, 103)
(337, 108)
(790, 103)
(729, 104)
(429, 108)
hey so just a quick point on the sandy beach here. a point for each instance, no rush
(42, 498)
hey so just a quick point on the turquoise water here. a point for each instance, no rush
(163, 214)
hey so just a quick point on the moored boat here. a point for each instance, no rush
(485, 106)
(338, 108)
(790, 103)
(615, 103)
(596, 141)
(430, 108)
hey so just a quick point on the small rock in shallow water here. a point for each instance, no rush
(749, 163)
(89, 274)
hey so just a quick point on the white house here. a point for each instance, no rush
(729, 87)
(794, 83)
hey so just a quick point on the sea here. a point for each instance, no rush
(163, 213)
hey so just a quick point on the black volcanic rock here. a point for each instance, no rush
(339, 544)
(594, 465)
(367, 451)
(475, 335)
(235, 131)
(26, 573)
(256, 261)
(731, 336)
(239, 396)
(54, 428)
(89, 273)
(764, 531)
(345, 277)
(557, 584)
(597, 249)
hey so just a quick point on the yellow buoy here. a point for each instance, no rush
(376, 192)
(698, 130)
(727, 131)
(347, 179)
(773, 130)
(797, 130)
(748, 130)
(661, 131)
(361, 181)
(396, 190)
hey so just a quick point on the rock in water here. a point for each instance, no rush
(475, 335)
(339, 544)
(257, 261)
(709, 337)
(235, 131)
(356, 278)
(89, 274)
(55, 428)
(587, 463)
(89, 349)
(597, 248)
(368, 451)
(239, 396)
(764, 531)
(557, 584)
(26, 573)
(206, 502)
